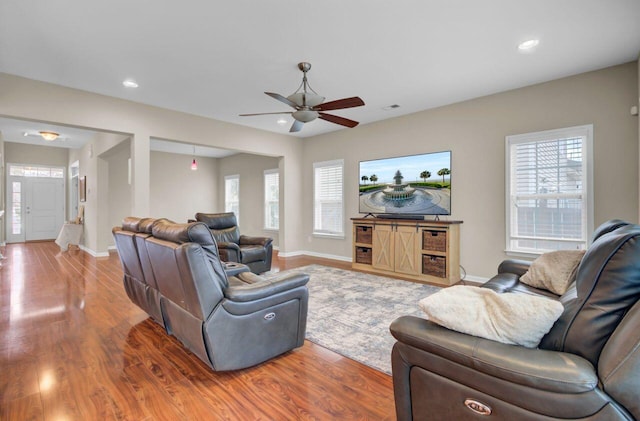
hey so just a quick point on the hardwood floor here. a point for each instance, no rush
(73, 347)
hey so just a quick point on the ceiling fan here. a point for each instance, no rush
(309, 105)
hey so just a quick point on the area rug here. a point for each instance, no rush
(350, 312)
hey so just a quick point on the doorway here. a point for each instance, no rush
(35, 202)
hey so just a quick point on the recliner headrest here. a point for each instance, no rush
(131, 223)
(606, 227)
(194, 232)
(146, 225)
(218, 221)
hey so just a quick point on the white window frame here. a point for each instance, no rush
(228, 204)
(271, 178)
(586, 133)
(318, 230)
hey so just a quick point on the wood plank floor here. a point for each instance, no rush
(73, 347)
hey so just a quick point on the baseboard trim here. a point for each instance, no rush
(93, 252)
(477, 279)
(314, 254)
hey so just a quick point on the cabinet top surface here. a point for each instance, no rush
(404, 221)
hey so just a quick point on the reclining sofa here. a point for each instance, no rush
(230, 319)
(587, 367)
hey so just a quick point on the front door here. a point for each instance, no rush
(35, 203)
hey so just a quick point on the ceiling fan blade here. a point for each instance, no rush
(339, 104)
(281, 112)
(282, 99)
(338, 120)
(296, 126)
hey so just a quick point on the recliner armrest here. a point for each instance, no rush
(224, 245)
(260, 287)
(540, 369)
(516, 266)
(245, 240)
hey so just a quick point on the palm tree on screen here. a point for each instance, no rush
(424, 175)
(364, 179)
(443, 172)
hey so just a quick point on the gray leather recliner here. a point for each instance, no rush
(255, 252)
(229, 322)
(586, 367)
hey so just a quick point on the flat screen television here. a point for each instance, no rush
(415, 185)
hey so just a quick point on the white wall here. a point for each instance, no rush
(250, 168)
(475, 133)
(118, 188)
(177, 192)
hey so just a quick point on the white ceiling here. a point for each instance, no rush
(215, 59)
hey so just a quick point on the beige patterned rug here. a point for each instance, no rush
(350, 312)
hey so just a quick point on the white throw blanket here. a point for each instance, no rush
(510, 318)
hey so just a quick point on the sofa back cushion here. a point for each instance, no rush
(223, 226)
(607, 286)
(186, 268)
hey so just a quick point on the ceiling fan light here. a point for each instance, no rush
(49, 136)
(305, 116)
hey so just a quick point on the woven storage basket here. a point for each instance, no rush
(434, 266)
(364, 235)
(434, 240)
(363, 255)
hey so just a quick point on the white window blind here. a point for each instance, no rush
(271, 199)
(549, 185)
(328, 203)
(232, 195)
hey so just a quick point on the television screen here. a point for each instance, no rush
(407, 185)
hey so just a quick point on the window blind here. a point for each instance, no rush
(232, 195)
(328, 198)
(548, 191)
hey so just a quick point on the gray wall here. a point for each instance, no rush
(177, 192)
(475, 132)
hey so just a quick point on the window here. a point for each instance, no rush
(328, 208)
(271, 199)
(18, 170)
(549, 188)
(232, 195)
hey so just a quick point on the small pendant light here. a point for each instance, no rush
(194, 164)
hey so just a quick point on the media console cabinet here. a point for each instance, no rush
(420, 250)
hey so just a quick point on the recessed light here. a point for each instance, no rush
(130, 83)
(282, 121)
(528, 44)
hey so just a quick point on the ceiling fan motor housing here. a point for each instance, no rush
(307, 99)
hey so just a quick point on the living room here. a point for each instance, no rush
(474, 130)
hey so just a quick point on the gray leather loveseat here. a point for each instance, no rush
(173, 272)
(586, 368)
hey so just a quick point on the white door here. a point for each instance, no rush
(44, 208)
(35, 208)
